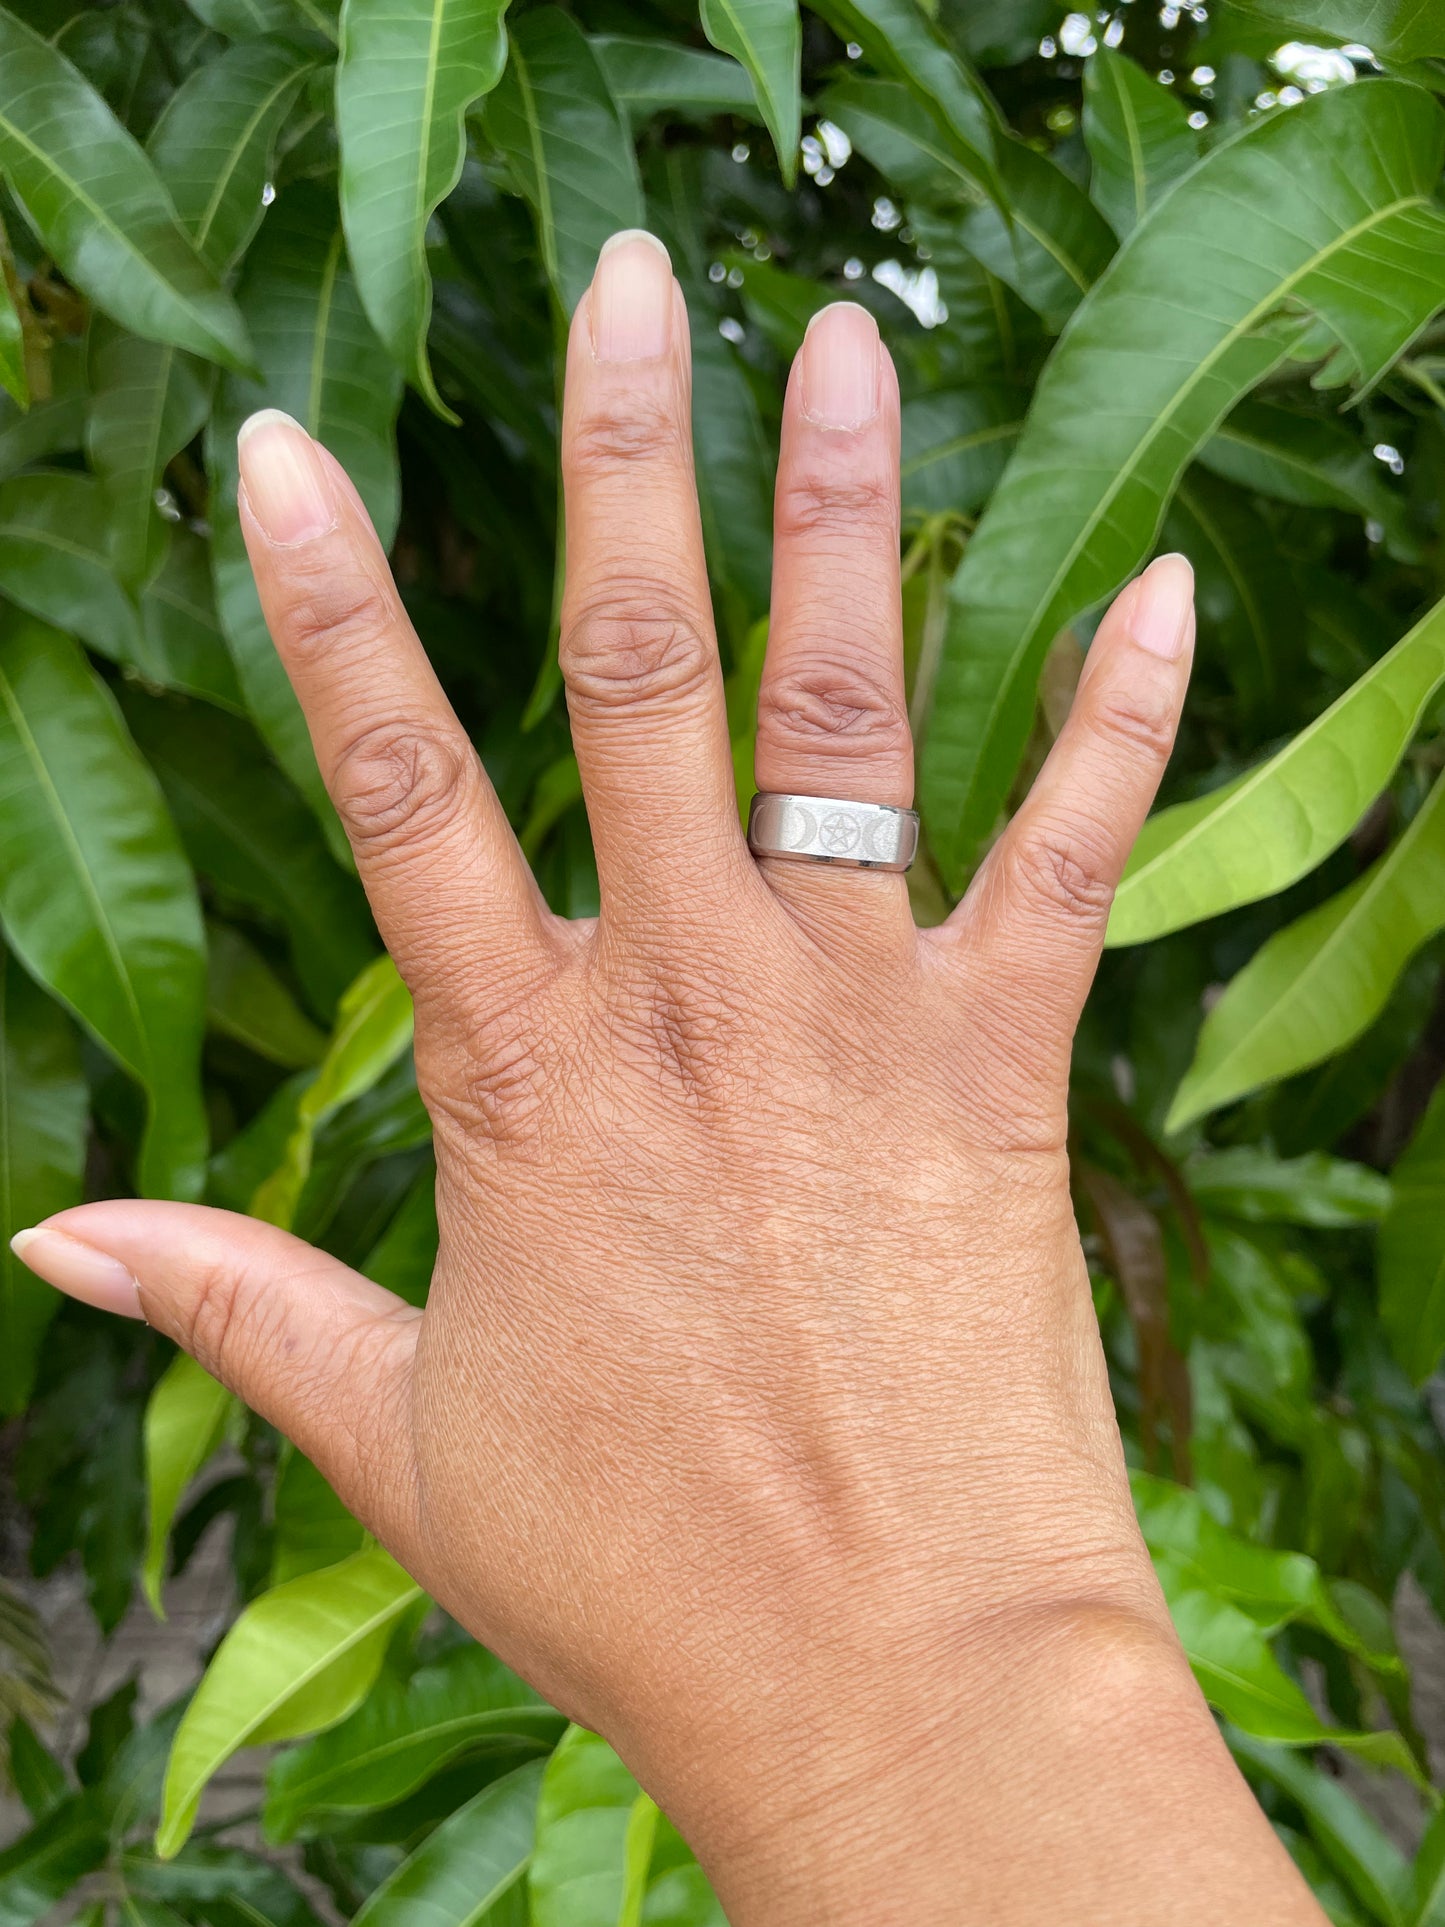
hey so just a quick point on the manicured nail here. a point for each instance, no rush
(630, 305)
(1162, 616)
(840, 367)
(285, 482)
(79, 1270)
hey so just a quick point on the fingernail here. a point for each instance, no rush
(1162, 616)
(79, 1270)
(629, 308)
(840, 367)
(284, 479)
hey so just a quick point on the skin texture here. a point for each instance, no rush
(758, 1415)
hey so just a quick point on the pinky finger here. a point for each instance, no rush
(1033, 922)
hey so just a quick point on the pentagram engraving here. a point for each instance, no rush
(839, 833)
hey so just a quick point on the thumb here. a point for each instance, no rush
(308, 1343)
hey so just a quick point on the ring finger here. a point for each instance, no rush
(832, 712)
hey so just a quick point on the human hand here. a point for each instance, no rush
(758, 1414)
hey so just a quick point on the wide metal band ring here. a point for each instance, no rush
(831, 829)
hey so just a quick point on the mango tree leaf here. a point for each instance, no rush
(1269, 221)
(1050, 246)
(322, 363)
(13, 378)
(184, 647)
(247, 1001)
(44, 1864)
(766, 38)
(255, 19)
(215, 141)
(1138, 136)
(579, 1864)
(478, 1855)
(44, 1118)
(217, 1887)
(97, 204)
(149, 402)
(1354, 1844)
(55, 426)
(1321, 981)
(402, 1735)
(312, 1527)
(246, 828)
(373, 1029)
(1426, 1905)
(902, 43)
(1249, 1181)
(185, 1420)
(1400, 31)
(955, 445)
(404, 1256)
(647, 77)
(1412, 1249)
(53, 561)
(567, 147)
(96, 898)
(1307, 459)
(407, 74)
(1245, 1683)
(1272, 826)
(298, 1659)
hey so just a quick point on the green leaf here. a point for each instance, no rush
(254, 19)
(734, 472)
(1265, 830)
(44, 1864)
(1268, 222)
(766, 38)
(407, 74)
(149, 402)
(13, 378)
(1319, 983)
(373, 1028)
(214, 144)
(579, 1864)
(184, 648)
(97, 204)
(1350, 1840)
(1249, 1181)
(44, 1120)
(1426, 1905)
(53, 561)
(38, 1779)
(567, 146)
(902, 42)
(312, 1527)
(322, 363)
(1138, 136)
(1412, 1249)
(1307, 459)
(1401, 31)
(247, 1001)
(401, 1736)
(96, 897)
(246, 829)
(52, 427)
(185, 1421)
(476, 1856)
(405, 1255)
(955, 445)
(298, 1659)
(647, 77)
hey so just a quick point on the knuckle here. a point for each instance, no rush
(822, 704)
(328, 611)
(497, 1097)
(822, 505)
(399, 779)
(646, 430)
(210, 1324)
(1057, 871)
(634, 646)
(1131, 722)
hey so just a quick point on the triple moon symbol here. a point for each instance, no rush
(839, 833)
(799, 828)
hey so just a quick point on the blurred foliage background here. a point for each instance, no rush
(1151, 278)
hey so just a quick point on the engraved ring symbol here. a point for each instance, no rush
(838, 833)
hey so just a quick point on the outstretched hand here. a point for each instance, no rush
(758, 1414)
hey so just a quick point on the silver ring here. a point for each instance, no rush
(830, 829)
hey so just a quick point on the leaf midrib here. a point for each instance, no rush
(1165, 420)
(399, 1743)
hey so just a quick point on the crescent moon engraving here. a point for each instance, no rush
(799, 828)
(880, 840)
